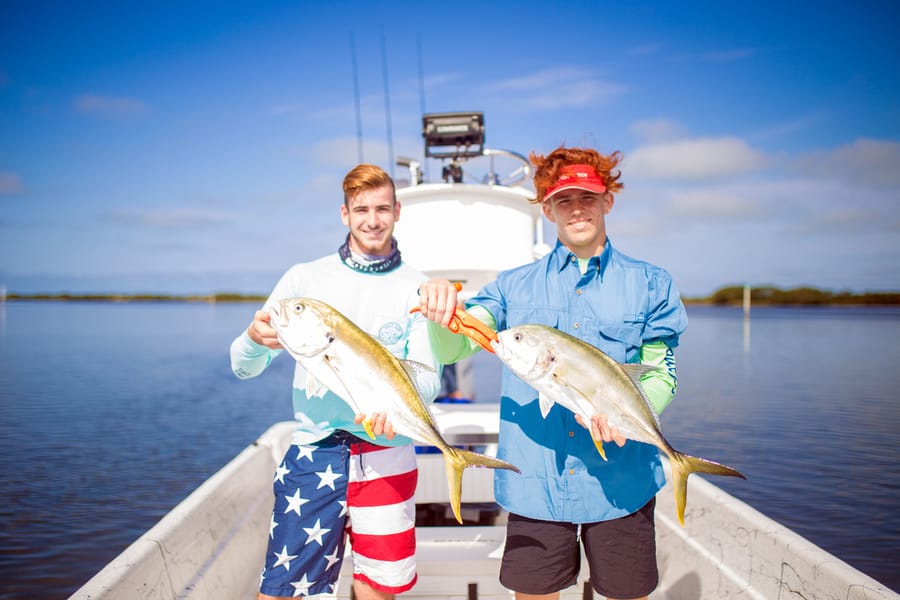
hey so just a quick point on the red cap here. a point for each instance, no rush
(581, 177)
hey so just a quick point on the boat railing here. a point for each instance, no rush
(454, 173)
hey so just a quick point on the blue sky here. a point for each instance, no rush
(195, 147)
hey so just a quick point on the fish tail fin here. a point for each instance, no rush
(456, 461)
(685, 464)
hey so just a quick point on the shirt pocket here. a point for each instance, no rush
(619, 339)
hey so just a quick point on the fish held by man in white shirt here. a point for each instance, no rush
(340, 356)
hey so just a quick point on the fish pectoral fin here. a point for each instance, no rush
(415, 370)
(599, 445)
(545, 403)
(314, 387)
(367, 425)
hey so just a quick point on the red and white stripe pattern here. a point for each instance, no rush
(382, 482)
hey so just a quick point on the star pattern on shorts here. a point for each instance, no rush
(305, 452)
(284, 559)
(327, 477)
(302, 586)
(302, 526)
(295, 502)
(315, 533)
(272, 525)
(280, 472)
(332, 559)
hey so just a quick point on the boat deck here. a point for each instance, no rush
(212, 544)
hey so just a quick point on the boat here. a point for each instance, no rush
(211, 545)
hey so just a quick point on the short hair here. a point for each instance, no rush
(547, 168)
(365, 177)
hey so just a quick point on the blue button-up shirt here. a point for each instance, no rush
(617, 305)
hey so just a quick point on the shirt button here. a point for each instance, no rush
(578, 292)
(576, 325)
(571, 434)
(571, 471)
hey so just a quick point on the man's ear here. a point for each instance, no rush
(545, 207)
(345, 215)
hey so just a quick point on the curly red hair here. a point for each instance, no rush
(547, 168)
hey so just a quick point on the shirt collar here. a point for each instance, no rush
(564, 256)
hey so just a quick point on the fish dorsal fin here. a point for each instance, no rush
(546, 403)
(637, 370)
(415, 370)
(314, 387)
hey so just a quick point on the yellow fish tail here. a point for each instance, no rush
(456, 461)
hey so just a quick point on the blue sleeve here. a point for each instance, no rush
(666, 319)
(492, 299)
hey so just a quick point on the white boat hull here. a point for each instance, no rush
(212, 544)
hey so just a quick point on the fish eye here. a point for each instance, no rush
(518, 337)
(298, 308)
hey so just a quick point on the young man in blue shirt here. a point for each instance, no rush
(628, 308)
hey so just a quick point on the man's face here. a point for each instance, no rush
(580, 218)
(371, 215)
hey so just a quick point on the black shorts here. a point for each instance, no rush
(542, 557)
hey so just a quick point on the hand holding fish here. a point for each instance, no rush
(438, 300)
(379, 424)
(601, 429)
(261, 332)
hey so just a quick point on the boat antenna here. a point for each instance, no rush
(387, 106)
(359, 136)
(422, 90)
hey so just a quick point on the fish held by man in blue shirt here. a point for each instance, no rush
(576, 375)
(340, 356)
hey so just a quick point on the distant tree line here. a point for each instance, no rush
(210, 298)
(801, 296)
(730, 295)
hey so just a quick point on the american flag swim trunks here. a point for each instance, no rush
(336, 487)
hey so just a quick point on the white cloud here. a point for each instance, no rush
(719, 56)
(111, 106)
(864, 162)
(657, 130)
(170, 219)
(646, 49)
(713, 204)
(728, 55)
(553, 89)
(10, 183)
(695, 159)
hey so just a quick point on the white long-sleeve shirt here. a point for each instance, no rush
(378, 303)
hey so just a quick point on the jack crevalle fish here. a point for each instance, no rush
(583, 379)
(340, 356)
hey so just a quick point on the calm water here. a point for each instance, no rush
(113, 413)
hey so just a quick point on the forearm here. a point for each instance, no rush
(249, 359)
(449, 347)
(661, 383)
